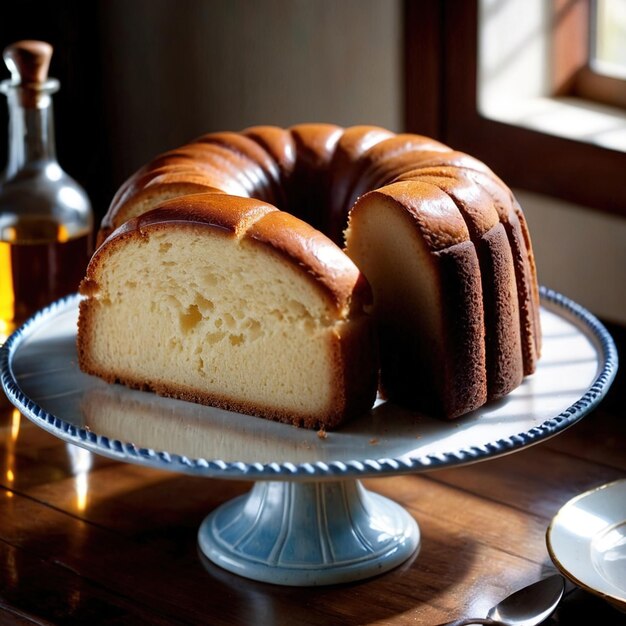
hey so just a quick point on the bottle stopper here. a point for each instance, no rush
(28, 61)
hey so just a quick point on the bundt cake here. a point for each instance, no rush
(438, 236)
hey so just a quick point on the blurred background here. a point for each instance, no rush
(535, 88)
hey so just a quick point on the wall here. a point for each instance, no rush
(580, 253)
(175, 70)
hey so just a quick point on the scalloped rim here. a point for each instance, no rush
(289, 471)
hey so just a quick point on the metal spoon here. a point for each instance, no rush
(528, 606)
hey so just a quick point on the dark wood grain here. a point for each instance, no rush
(115, 543)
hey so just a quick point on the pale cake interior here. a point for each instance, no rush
(222, 318)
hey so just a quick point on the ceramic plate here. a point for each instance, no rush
(587, 541)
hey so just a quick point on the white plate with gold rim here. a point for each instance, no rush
(587, 541)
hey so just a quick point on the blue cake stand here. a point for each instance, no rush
(308, 520)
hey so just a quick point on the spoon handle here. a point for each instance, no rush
(472, 622)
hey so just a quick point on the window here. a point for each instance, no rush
(594, 67)
(608, 33)
(512, 84)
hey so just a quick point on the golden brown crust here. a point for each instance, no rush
(436, 216)
(474, 204)
(216, 210)
(284, 234)
(170, 175)
(315, 144)
(353, 142)
(532, 274)
(505, 367)
(322, 259)
(307, 187)
(278, 143)
(150, 196)
(266, 177)
(518, 238)
(523, 261)
(354, 345)
(465, 363)
(505, 363)
(373, 169)
(330, 419)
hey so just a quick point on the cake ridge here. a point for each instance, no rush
(504, 360)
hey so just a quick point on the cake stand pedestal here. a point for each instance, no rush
(308, 520)
(309, 533)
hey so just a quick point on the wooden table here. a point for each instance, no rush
(87, 540)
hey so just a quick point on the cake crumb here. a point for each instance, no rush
(373, 441)
(322, 434)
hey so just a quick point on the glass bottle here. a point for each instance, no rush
(46, 219)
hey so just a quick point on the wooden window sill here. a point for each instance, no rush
(567, 117)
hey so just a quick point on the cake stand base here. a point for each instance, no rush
(309, 533)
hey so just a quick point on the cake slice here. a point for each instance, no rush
(229, 302)
(412, 243)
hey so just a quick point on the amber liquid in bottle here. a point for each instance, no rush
(45, 215)
(40, 261)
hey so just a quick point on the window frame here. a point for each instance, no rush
(441, 100)
(573, 73)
